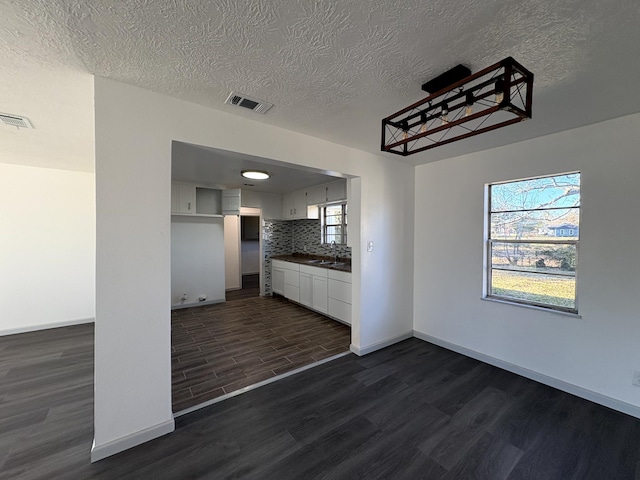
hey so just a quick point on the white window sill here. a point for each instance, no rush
(532, 307)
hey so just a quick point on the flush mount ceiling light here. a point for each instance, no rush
(255, 174)
(461, 105)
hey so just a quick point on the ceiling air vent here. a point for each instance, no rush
(241, 100)
(15, 120)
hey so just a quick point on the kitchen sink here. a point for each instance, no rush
(319, 262)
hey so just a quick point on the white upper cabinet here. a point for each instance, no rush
(328, 192)
(316, 195)
(294, 206)
(231, 201)
(183, 198)
(337, 191)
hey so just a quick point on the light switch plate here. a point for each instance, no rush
(635, 380)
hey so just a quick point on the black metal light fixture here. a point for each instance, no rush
(461, 105)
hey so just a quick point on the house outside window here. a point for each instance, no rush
(532, 241)
(334, 223)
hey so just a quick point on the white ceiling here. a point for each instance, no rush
(332, 69)
(222, 168)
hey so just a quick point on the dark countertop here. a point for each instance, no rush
(343, 265)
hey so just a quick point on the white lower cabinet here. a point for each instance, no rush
(320, 294)
(292, 281)
(306, 289)
(320, 289)
(339, 295)
(277, 277)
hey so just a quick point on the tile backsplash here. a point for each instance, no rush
(282, 237)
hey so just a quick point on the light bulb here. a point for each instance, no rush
(423, 120)
(468, 109)
(499, 91)
(445, 114)
(405, 130)
(405, 134)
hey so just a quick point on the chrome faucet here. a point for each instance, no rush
(334, 249)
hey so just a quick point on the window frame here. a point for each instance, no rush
(554, 240)
(324, 224)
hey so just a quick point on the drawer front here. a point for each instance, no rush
(315, 271)
(338, 275)
(340, 310)
(295, 267)
(340, 290)
(278, 264)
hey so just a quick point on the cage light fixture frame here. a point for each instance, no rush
(495, 97)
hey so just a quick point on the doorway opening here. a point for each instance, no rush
(251, 336)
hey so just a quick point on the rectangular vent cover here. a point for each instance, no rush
(15, 120)
(241, 100)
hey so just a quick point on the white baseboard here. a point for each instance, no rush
(130, 441)
(360, 351)
(197, 304)
(45, 326)
(595, 397)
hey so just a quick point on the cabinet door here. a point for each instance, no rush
(287, 207)
(340, 310)
(316, 195)
(183, 198)
(337, 191)
(300, 204)
(319, 293)
(291, 292)
(306, 289)
(277, 279)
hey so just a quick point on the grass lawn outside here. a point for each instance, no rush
(550, 290)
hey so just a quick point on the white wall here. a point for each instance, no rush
(47, 248)
(197, 259)
(596, 352)
(134, 130)
(233, 279)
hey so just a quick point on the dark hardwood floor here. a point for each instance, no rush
(410, 411)
(221, 348)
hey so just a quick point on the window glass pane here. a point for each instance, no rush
(548, 192)
(531, 287)
(536, 224)
(536, 257)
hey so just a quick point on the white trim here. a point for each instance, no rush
(533, 307)
(257, 385)
(130, 441)
(360, 351)
(45, 326)
(196, 304)
(581, 392)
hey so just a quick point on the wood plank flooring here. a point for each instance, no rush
(410, 411)
(221, 348)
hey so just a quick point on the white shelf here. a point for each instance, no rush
(196, 215)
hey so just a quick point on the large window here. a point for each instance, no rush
(532, 240)
(334, 223)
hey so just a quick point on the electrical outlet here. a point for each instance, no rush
(370, 246)
(635, 380)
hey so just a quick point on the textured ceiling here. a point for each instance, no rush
(334, 69)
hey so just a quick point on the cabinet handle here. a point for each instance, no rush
(295, 210)
(189, 206)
